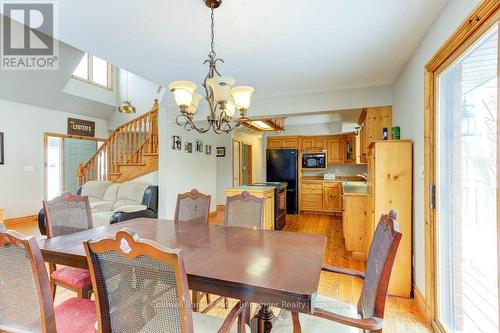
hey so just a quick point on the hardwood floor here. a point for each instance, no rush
(401, 314)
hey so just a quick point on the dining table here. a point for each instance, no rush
(277, 268)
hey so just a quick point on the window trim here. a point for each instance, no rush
(89, 79)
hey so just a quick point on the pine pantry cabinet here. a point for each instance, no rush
(390, 187)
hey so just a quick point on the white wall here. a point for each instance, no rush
(22, 192)
(408, 112)
(180, 171)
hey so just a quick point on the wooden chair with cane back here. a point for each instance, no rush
(194, 206)
(141, 286)
(244, 210)
(330, 315)
(64, 215)
(26, 303)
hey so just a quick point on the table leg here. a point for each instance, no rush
(196, 301)
(264, 319)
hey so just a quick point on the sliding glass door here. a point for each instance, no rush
(466, 189)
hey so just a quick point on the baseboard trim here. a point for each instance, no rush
(420, 303)
(19, 220)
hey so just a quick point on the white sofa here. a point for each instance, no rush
(107, 198)
(115, 202)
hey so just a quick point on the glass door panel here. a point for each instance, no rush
(467, 292)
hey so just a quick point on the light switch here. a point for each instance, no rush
(29, 168)
(421, 172)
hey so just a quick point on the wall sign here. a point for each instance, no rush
(81, 127)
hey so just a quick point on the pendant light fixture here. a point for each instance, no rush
(126, 106)
(223, 99)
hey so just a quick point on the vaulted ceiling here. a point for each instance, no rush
(279, 46)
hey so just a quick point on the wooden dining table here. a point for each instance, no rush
(277, 268)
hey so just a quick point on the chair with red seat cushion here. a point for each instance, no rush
(64, 215)
(26, 304)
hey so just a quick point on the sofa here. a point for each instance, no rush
(116, 202)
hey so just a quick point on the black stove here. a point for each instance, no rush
(279, 202)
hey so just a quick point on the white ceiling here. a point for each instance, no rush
(279, 46)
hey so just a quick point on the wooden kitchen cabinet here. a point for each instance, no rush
(321, 196)
(311, 196)
(350, 149)
(354, 222)
(332, 197)
(390, 188)
(314, 143)
(283, 142)
(373, 120)
(335, 151)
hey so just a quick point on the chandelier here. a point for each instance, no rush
(223, 99)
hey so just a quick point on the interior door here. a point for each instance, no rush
(246, 164)
(75, 151)
(466, 189)
(236, 163)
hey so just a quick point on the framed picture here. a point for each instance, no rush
(1, 149)
(188, 147)
(199, 146)
(220, 151)
(208, 149)
(176, 142)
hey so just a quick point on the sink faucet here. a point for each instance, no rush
(363, 176)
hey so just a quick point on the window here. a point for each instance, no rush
(94, 70)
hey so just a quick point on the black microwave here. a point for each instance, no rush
(316, 160)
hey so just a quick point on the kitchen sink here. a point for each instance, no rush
(355, 187)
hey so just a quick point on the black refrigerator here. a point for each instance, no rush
(282, 166)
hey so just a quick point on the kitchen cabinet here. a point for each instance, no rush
(335, 151)
(332, 197)
(390, 188)
(283, 142)
(354, 220)
(314, 143)
(350, 149)
(321, 196)
(373, 122)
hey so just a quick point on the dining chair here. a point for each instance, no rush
(141, 286)
(244, 210)
(26, 303)
(64, 215)
(369, 315)
(192, 206)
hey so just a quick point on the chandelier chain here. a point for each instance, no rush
(212, 34)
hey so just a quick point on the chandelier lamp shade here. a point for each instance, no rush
(227, 104)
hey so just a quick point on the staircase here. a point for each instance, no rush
(130, 152)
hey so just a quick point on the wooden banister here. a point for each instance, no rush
(126, 144)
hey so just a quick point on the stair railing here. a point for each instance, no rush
(127, 145)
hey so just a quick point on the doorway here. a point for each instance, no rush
(246, 164)
(63, 154)
(462, 161)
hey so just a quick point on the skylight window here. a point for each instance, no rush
(95, 71)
